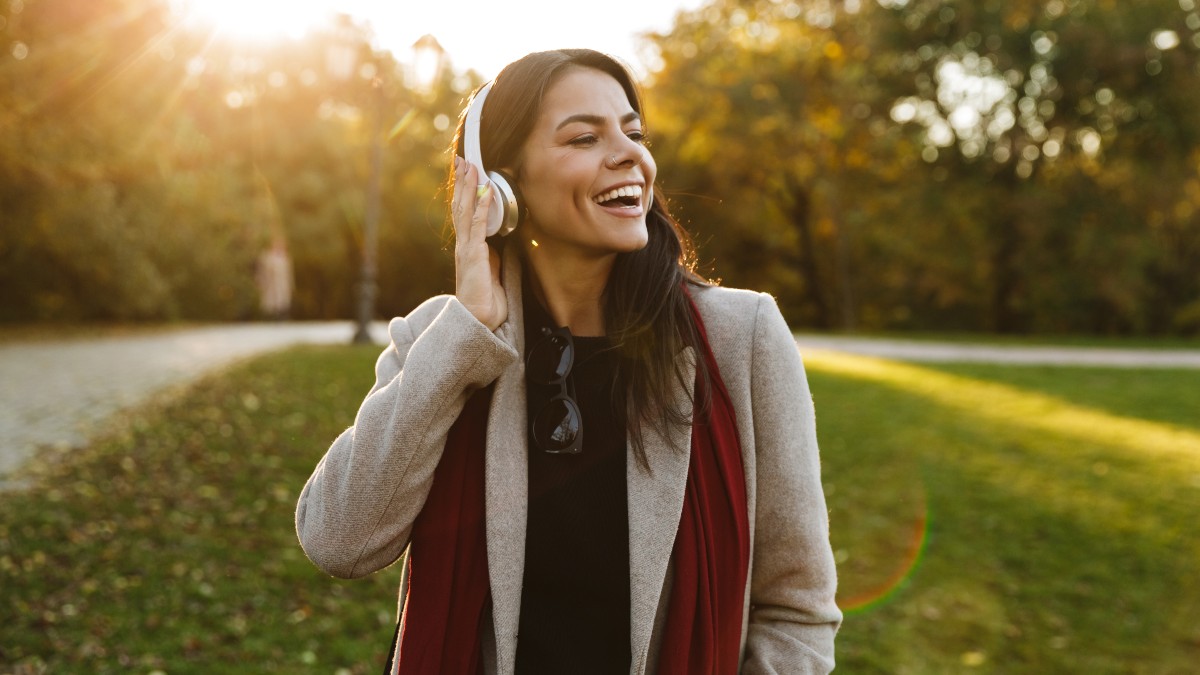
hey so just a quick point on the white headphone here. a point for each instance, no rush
(504, 213)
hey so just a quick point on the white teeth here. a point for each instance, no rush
(626, 191)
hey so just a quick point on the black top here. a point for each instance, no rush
(575, 594)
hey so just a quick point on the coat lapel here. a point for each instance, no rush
(507, 478)
(655, 506)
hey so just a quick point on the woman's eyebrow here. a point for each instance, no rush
(596, 120)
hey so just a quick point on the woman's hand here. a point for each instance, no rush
(476, 265)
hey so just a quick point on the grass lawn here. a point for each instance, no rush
(1157, 342)
(985, 519)
(169, 545)
(998, 519)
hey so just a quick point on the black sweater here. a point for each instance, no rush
(575, 594)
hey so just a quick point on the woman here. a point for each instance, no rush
(597, 461)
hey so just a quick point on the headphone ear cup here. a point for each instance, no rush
(512, 209)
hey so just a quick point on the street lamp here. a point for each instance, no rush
(367, 287)
(425, 65)
(429, 58)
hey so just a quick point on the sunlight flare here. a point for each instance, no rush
(256, 19)
(1013, 406)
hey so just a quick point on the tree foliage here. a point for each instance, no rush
(877, 164)
(145, 165)
(937, 164)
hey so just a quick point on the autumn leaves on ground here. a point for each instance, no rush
(985, 519)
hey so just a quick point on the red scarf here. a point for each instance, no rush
(448, 584)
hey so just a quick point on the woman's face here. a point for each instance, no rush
(585, 174)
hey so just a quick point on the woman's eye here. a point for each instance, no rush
(584, 140)
(637, 136)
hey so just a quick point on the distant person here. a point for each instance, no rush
(597, 461)
(274, 276)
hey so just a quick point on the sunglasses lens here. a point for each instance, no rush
(550, 360)
(556, 428)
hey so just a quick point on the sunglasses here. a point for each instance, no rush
(558, 426)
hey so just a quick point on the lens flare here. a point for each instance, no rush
(904, 567)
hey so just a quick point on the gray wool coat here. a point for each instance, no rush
(356, 512)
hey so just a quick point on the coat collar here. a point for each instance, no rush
(655, 497)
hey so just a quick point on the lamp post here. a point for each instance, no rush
(367, 286)
(426, 62)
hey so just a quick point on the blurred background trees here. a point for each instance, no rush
(876, 164)
(143, 168)
(927, 164)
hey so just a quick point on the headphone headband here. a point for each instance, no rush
(504, 210)
(471, 147)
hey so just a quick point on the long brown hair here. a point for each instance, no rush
(646, 307)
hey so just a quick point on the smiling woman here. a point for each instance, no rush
(259, 20)
(579, 445)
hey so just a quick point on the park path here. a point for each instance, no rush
(54, 392)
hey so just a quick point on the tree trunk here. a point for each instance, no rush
(845, 280)
(1005, 256)
(800, 214)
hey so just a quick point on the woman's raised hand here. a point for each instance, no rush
(476, 265)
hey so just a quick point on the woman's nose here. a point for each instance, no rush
(627, 153)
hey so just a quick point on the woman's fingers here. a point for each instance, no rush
(471, 203)
(477, 265)
(463, 201)
(483, 206)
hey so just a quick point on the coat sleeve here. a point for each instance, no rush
(793, 614)
(355, 514)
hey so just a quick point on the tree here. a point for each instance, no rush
(937, 164)
(1055, 105)
(762, 107)
(143, 166)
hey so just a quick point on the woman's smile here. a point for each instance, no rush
(623, 200)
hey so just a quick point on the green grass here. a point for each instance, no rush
(986, 519)
(169, 544)
(1159, 342)
(1057, 506)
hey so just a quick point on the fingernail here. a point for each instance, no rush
(457, 162)
(483, 190)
